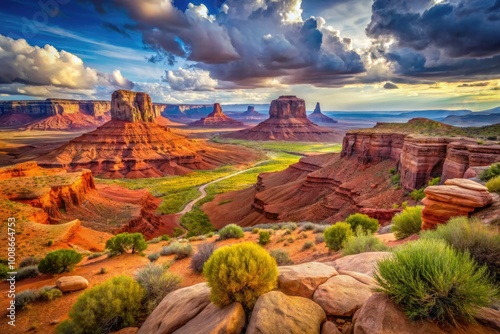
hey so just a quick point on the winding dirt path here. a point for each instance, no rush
(203, 191)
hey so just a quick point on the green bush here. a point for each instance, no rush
(4, 269)
(430, 280)
(240, 272)
(50, 243)
(59, 261)
(177, 232)
(264, 237)
(367, 224)
(153, 257)
(29, 261)
(336, 235)
(27, 272)
(181, 250)
(418, 194)
(205, 250)
(255, 231)
(24, 298)
(48, 293)
(396, 180)
(157, 283)
(493, 185)
(480, 240)
(231, 231)
(362, 243)
(122, 242)
(282, 258)
(196, 222)
(110, 306)
(491, 172)
(407, 222)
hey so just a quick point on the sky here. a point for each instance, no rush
(345, 54)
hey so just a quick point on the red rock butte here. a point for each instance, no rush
(287, 121)
(318, 117)
(132, 145)
(217, 119)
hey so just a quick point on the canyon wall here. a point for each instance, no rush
(51, 107)
(420, 158)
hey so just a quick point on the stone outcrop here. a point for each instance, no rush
(71, 283)
(458, 197)
(287, 121)
(131, 145)
(342, 295)
(318, 117)
(364, 263)
(277, 313)
(372, 147)
(303, 279)
(131, 107)
(217, 119)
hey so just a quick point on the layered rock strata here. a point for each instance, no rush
(287, 121)
(458, 197)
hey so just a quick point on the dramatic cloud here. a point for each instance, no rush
(194, 79)
(448, 40)
(249, 43)
(30, 66)
(390, 85)
(475, 84)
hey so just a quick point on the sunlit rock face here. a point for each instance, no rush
(131, 107)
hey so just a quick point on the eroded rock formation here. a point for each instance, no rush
(458, 197)
(131, 107)
(287, 121)
(318, 117)
(217, 119)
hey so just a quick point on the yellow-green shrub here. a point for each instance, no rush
(493, 185)
(359, 219)
(407, 222)
(109, 306)
(336, 235)
(240, 272)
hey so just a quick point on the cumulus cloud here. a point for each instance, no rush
(390, 85)
(190, 79)
(249, 42)
(447, 40)
(31, 66)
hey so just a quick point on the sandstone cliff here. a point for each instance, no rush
(131, 107)
(287, 121)
(217, 119)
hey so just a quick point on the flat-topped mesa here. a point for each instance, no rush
(288, 106)
(250, 111)
(217, 119)
(132, 107)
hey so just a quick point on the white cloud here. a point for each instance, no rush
(190, 79)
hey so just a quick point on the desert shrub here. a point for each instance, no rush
(29, 261)
(429, 279)
(122, 242)
(396, 180)
(491, 172)
(289, 226)
(205, 250)
(337, 235)
(282, 258)
(24, 298)
(307, 226)
(48, 293)
(434, 182)
(302, 235)
(407, 222)
(417, 194)
(4, 269)
(264, 237)
(307, 245)
(27, 272)
(94, 255)
(320, 228)
(181, 250)
(493, 185)
(392, 171)
(50, 243)
(59, 261)
(241, 273)
(110, 306)
(231, 231)
(196, 222)
(320, 238)
(480, 240)
(361, 243)
(255, 231)
(165, 237)
(102, 271)
(198, 238)
(367, 224)
(210, 234)
(177, 232)
(153, 257)
(157, 283)
(154, 240)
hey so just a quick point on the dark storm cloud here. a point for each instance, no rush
(450, 40)
(390, 85)
(249, 42)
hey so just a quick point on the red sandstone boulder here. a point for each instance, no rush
(458, 197)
